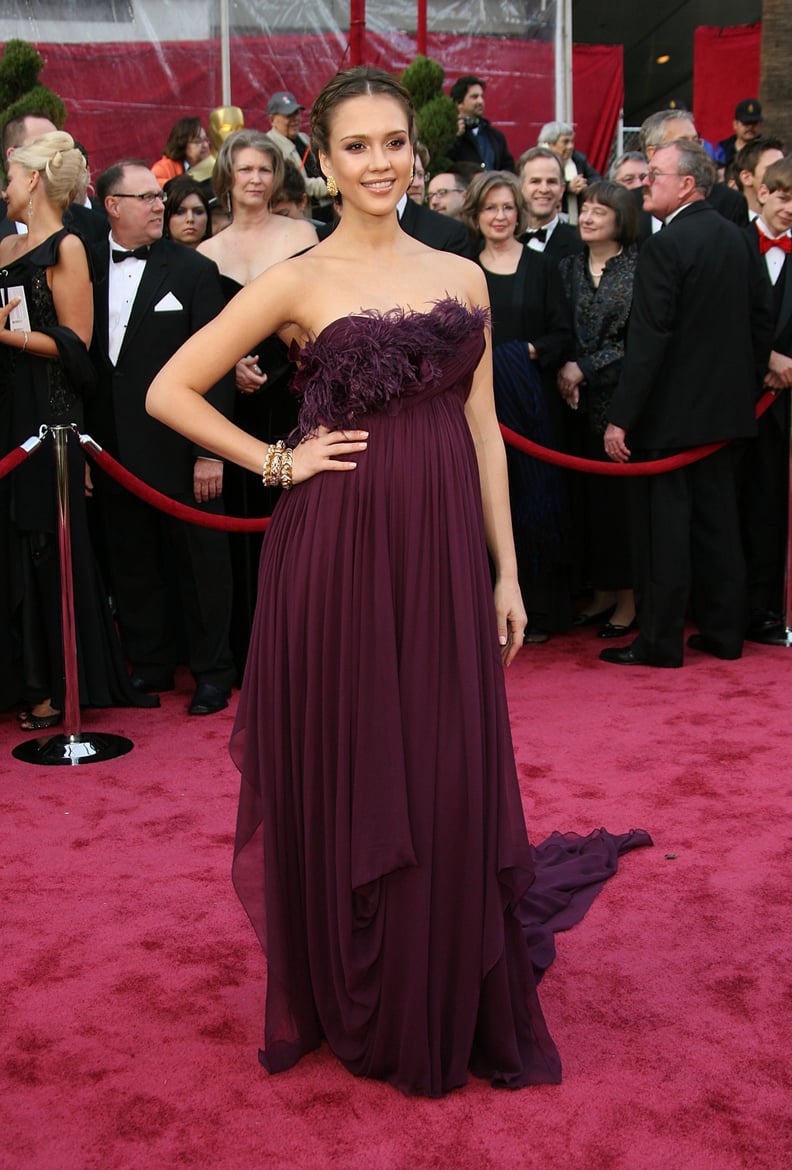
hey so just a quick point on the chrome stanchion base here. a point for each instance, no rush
(88, 747)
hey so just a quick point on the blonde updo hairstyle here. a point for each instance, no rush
(63, 169)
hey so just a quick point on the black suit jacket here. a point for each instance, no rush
(464, 149)
(564, 241)
(699, 336)
(187, 287)
(436, 230)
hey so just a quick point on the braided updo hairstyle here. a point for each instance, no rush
(362, 79)
(63, 169)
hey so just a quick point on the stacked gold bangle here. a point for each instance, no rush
(277, 470)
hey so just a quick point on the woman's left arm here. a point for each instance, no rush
(491, 456)
(70, 284)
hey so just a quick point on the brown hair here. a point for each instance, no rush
(479, 189)
(622, 203)
(356, 82)
(778, 176)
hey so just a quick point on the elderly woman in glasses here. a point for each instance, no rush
(529, 337)
(187, 145)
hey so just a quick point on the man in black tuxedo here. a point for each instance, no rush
(542, 182)
(150, 296)
(433, 229)
(765, 476)
(697, 349)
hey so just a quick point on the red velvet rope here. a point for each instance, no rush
(19, 454)
(259, 524)
(157, 499)
(655, 467)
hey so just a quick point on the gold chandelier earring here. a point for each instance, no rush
(332, 187)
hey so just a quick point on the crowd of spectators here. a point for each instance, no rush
(583, 290)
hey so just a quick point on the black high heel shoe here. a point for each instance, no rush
(609, 630)
(591, 619)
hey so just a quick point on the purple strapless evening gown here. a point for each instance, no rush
(381, 850)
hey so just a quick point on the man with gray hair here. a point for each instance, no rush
(676, 126)
(697, 349)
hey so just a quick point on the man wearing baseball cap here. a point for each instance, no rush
(747, 126)
(284, 114)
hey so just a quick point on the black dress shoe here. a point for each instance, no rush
(208, 699)
(591, 619)
(609, 630)
(628, 656)
(151, 684)
(769, 636)
(707, 646)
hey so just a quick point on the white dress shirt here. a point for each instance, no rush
(123, 281)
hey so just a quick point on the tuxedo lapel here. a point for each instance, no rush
(151, 285)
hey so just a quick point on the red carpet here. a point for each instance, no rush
(132, 985)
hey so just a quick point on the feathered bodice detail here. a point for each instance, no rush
(371, 362)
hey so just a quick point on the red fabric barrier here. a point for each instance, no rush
(164, 503)
(123, 98)
(19, 454)
(725, 70)
(656, 467)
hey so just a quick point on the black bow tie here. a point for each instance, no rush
(140, 253)
(539, 234)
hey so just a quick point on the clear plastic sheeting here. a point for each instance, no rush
(75, 21)
(128, 69)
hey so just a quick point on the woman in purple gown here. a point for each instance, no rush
(381, 850)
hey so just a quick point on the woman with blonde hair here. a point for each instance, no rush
(46, 322)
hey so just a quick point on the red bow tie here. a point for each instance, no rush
(783, 242)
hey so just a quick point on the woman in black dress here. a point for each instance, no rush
(45, 327)
(530, 335)
(247, 180)
(598, 289)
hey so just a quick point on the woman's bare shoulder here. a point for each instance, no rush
(456, 276)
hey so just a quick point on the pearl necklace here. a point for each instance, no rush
(595, 276)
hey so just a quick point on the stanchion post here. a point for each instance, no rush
(75, 747)
(71, 713)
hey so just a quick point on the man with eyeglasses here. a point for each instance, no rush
(446, 194)
(676, 126)
(150, 296)
(696, 354)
